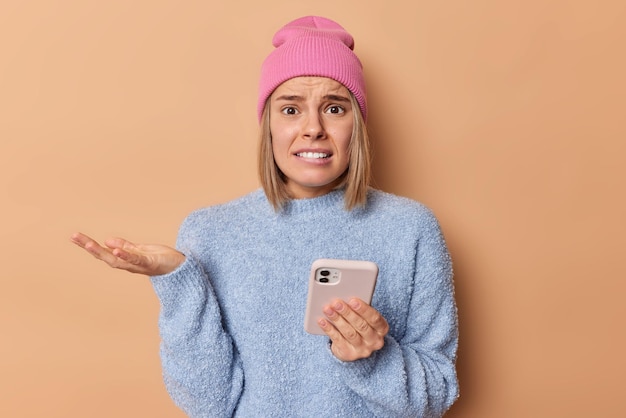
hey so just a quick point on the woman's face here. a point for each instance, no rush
(311, 125)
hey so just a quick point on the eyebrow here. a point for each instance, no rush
(296, 98)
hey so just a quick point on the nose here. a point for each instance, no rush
(313, 127)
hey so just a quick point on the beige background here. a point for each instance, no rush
(505, 117)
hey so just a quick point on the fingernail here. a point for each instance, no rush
(339, 306)
(355, 304)
(328, 311)
(322, 323)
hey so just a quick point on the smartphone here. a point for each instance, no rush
(337, 279)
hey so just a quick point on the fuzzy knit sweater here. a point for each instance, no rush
(231, 321)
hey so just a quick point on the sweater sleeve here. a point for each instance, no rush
(415, 376)
(201, 367)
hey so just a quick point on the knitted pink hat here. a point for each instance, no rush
(312, 46)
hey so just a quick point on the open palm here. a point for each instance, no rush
(148, 259)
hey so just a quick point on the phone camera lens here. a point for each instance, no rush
(323, 279)
(324, 273)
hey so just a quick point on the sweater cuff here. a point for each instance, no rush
(184, 282)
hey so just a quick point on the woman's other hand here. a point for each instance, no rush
(148, 259)
(355, 329)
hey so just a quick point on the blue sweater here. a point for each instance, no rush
(231, 319)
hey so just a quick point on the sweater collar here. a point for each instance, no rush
(331, 200)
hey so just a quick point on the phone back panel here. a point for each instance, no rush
(337, 279)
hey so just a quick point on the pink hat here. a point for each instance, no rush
(312, 46)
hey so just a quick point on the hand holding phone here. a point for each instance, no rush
(337, 279)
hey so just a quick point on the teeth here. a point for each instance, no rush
(312, 155)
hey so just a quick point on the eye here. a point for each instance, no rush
(336, 110)
(289, 110)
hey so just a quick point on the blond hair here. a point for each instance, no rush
(356, 179)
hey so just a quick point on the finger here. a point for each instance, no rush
(350, 316)
(87, 243)
(338, 312)
(120, 243)
(80, 239)
(135, 259)
(96, 250)
(374, 319)
(101, 253)
(367, 339)
(332, 332)
(127, 251)
(340, 347)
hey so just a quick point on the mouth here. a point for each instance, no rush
(313, 155)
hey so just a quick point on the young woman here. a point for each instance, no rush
(233, 292)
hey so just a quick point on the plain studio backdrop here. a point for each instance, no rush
(118, 118)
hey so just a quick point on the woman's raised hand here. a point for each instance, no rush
(148, 259)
